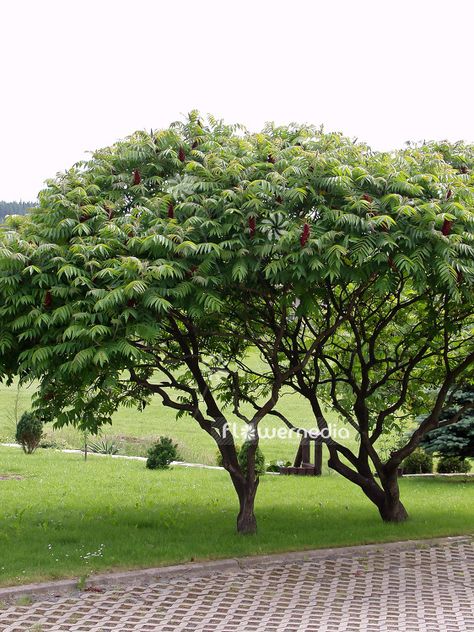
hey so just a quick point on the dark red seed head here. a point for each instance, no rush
(367, 198)
(181, 154)
(305, 234)
(136, 177)
(449, 194)
(446, 229)
(252, 226)
(170, 210)
(48, 299)
(271, 159)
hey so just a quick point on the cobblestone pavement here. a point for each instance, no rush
(390, 589)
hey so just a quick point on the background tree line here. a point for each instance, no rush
(14, 208)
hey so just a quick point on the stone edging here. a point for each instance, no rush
(111, 581)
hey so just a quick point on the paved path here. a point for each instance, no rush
(124, 456)
(402, 588)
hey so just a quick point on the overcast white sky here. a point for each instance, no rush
(79, 74)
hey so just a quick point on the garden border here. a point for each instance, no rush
(119, 580)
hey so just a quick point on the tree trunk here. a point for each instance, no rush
(246, 488)
(391, 509)
(246, 521)
(386, 498)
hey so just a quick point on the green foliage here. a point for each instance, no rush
(14, 208)
(418, 462)
(103, 446)
(275, 466)
(259, 459)
(29, 431)
(162, 454)
(453, 464)
(162, 260)
(455, 439)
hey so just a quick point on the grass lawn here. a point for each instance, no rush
(63, 517)
(135, 431)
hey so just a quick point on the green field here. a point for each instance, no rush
(134, 431)
(64, 517)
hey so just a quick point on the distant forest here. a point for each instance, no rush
(14, 208)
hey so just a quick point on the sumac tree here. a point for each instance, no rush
(172, 254)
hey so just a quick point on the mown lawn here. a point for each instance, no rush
(65, 517)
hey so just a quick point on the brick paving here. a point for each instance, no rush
(426, 588)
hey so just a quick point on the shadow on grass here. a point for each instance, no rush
(71, 518)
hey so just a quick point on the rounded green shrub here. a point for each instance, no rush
(259, 459)
(453, 465)
(161, 454)
(29, 431)
(418, 462)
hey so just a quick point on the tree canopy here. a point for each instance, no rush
(172, 254)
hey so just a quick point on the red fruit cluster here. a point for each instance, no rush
(170, 210)
(48, 299)
(136, 177)
(181, 154)
(305, 234)
(252, 226)
(446, 229)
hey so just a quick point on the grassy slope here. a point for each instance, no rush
(69, 518)
(128, 424)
